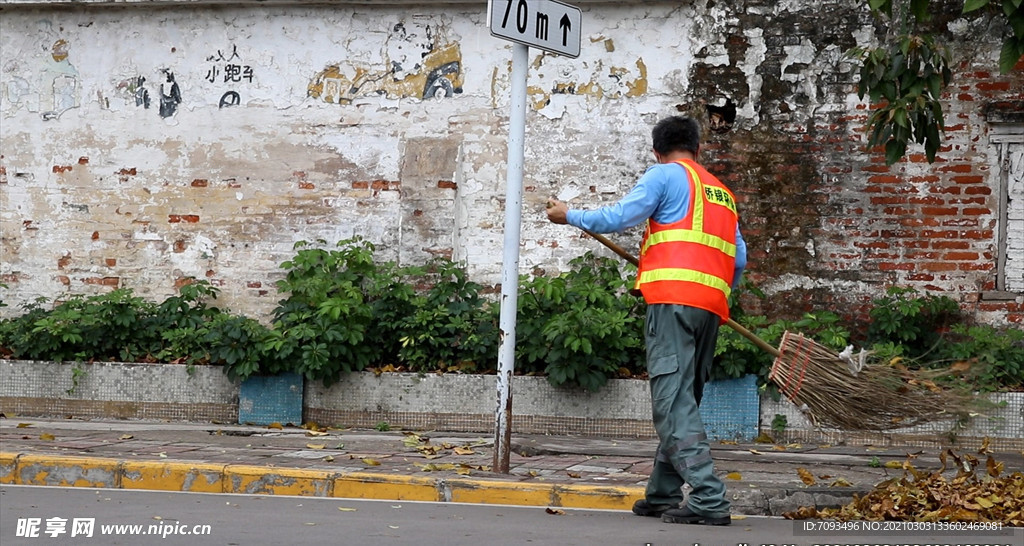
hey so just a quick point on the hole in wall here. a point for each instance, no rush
(721, 118)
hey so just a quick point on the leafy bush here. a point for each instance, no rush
(581, 327)
(916, 322)
(994, 356)
(452, 326)
(341, 311)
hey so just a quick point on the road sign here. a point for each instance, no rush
(545, 24)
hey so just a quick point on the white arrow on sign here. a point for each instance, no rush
(529, 22)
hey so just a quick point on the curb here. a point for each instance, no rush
(68, 471)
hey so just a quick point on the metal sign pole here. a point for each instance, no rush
(510, 260)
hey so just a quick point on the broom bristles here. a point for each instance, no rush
(878, 397)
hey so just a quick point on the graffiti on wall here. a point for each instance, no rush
(58, 82)
(134, 91)
(410, 68)
(227, 68)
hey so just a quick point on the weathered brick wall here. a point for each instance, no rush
(148, 144)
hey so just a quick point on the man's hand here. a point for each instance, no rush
(557, 211)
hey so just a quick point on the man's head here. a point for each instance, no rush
(676, 134)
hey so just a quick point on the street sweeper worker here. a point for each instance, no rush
(691, 256)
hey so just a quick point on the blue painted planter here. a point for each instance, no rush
(271, 399)
(731, 409)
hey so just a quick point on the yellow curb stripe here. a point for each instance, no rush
(366, 485)
(8, 465)
(66, 471)
(277, 481)
(173, 476)
(37, 469)
(598, 497)
(495, 492)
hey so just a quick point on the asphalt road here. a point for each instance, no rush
(149, 517)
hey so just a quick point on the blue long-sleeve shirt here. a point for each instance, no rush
(662, 194)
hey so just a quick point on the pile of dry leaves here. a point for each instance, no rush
(969, 495)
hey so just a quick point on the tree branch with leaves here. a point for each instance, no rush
(904, 76)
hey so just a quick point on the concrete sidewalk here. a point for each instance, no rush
(566, 471)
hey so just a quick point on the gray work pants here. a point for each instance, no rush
(680, 350)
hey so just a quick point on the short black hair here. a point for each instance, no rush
(676, 133)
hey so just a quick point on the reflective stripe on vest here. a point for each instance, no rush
(691, 265)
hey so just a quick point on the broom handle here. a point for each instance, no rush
(730, 323)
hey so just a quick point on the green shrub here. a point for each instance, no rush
(581, 327)
(916, 322)
(452, 326)
(995, 355)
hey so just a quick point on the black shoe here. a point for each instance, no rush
(642, 508)
(685, 515)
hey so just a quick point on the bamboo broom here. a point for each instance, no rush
(836, 391)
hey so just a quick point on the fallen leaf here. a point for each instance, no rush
(316, 446)
(464, 451)
(573, 474)
(47, 436)
(275, 426)
(162, 455)
(779, 448)
(462, 471)
(24, 425)
(533, 473)
(806, 476)
(346, 509)
(432, 467)
(371, 462)
(764, 438)
(734, 476)
(840, 482)
(729, 442)
(315, 433)
(893, 464)
(755, 452)
(125, 437)
(329, 458)
(393, 526)
(555, 511)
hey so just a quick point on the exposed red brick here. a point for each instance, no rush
(968, 179)
(306, 186)
(360, 185)
(417, 212)
(884, 179)
(95, 235)
(920, 277)
(890, 266)
(200, 183)
(993, 86)
(951, 245)
(128, 171)
(103, 281)
(938, 266)
(63, 261)
(64, 280)
(961, 256)
(254, 284)
(179, 246)
(976, 211)
(61, 168)
(939, 211)
(210, 273)
(83, 160)
(956, 168)
(173, 218)
(111, 262)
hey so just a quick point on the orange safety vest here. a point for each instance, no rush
(691, 262)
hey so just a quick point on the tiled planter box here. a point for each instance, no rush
(263, 400)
